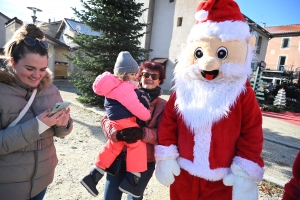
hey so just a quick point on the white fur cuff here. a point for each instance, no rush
(166, 152)
(251, 168)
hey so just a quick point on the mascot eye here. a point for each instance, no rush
(222, 53)
(198, 53)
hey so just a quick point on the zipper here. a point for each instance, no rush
(34, 171)
(1, 118)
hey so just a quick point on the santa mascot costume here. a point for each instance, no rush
(210, 137)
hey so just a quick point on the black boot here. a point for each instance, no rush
(91, 180)
(129, 185)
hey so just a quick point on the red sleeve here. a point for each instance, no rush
(167, 129)
(250, 142)
(107, 129)
(292, 188)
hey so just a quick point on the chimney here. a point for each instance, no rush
(49, 20)
(264, 25)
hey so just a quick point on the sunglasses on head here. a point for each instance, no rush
(153, 76)
(31, 42)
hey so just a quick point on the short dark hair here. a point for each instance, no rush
(154, 66)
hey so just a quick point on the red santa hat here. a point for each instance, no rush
(221, 18)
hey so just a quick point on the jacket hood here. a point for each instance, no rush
(105, 83)
(7, 76)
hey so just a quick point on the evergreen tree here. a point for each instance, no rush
(120, 30)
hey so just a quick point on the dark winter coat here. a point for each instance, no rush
(27, 158)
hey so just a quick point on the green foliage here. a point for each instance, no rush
(292, 98)
(273, 108)
(120, 30)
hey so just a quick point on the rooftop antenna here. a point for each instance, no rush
(34, 12)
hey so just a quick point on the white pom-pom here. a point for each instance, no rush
(201, 15)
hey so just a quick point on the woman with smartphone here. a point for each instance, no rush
(27, 152)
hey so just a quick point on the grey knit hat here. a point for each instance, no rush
(125, 64)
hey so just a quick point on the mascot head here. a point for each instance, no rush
(220, 37)
(215, 63)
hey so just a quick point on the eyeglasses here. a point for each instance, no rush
(153, 76)
(31, 42)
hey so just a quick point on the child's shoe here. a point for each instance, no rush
(91, 180)
(129, 185)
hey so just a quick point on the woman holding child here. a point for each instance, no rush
(151, 75)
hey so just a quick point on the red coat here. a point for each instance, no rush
(292, 188)
(209, 154)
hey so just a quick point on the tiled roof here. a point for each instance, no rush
(292, 29)
(81, 28)
(55, 41)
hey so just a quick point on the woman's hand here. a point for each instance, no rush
(130, 135)
(59, 119)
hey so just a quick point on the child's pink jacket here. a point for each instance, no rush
(111, 87)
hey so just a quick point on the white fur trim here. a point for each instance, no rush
(166, 152)
(251, 168)
(200, 167)
(197, 104)
(202, 103)
(226, 30)
(200, 114)
(201, 15)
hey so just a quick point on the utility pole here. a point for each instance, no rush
(34, 13)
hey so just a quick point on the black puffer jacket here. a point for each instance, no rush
(27, 159)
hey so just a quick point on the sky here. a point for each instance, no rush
(55, 10)
(271, 12)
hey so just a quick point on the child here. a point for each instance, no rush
(123, 107)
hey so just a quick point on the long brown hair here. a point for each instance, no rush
(17, 48)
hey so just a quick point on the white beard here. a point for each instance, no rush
(203, 103)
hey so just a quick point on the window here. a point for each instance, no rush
(281, 63)
(253, 65)
(258, 45)
(179, 21)
(285, 43)
(162, 61)
(171, 1)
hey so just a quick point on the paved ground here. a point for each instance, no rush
(290, 117)
(281, 133)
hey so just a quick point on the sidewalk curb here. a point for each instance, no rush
(274, 180)
(282, 143)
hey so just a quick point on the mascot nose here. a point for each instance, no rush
(210, 64)
(210, 68)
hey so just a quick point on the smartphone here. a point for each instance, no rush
(58, 106)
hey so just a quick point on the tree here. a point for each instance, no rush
(120, 30)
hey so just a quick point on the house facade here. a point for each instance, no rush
(71, 27)
(3, 20)
(283, 51)
(171, 22)
(261, 44)
(57, 63)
